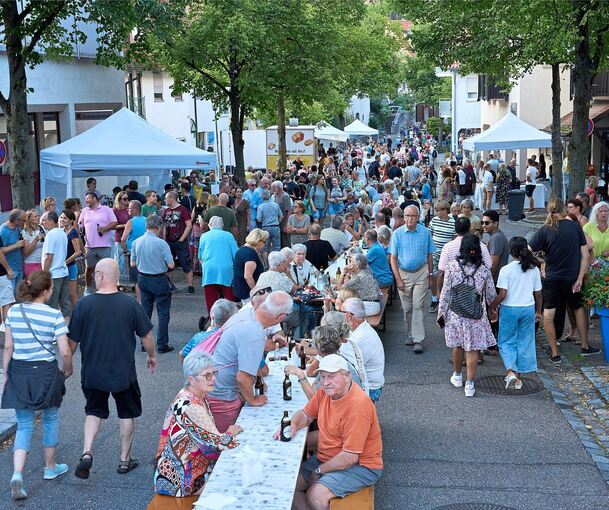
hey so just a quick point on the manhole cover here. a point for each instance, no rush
(473, 506)
(496, 384)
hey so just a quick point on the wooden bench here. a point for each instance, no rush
(160, 502)
(360, 500)
(378, 321)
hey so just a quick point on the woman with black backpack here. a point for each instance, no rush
(468, 288)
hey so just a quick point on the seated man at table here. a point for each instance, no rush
(369, 342)
(335, 235)
(350, 450)
(320, 253)
(237, 357)
(377, 260)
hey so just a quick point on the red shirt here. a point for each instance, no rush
(175, 222)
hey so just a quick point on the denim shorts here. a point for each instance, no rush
(345, 482)
(72, 272)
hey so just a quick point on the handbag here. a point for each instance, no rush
(57, 388)
(465, 300)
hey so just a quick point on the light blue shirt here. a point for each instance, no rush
(411, 247)
(138, 229)
(256, 198)
(56, 244)
(268, 214)
(426, 191)
(379, 265)
(151, 255)
(11, 236)
(217, 253)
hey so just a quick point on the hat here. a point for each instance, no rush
(332, 363)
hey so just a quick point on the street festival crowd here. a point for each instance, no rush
(400, 218)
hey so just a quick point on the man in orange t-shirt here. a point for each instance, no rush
(350, 448)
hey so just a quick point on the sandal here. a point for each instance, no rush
(569, 339)
(84, 465)
(127, 465)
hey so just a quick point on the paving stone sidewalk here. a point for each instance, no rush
(8, 422)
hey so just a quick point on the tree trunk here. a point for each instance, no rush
(21, 160)
(579, 146)
(237, 116)
(556, 140)
(440, 131)
(342, 121)
(282, 162)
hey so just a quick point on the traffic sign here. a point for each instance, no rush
(590, 126)
(2, 152)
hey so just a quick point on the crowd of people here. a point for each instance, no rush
(399, 216)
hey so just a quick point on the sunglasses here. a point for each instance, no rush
(487, 222)
(266, 290)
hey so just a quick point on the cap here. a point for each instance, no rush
(332, 363)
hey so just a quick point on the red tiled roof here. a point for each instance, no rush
(597, 112)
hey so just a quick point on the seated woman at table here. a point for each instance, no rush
(357, 276)
(301, 268)
(326, 340)
(190, 443)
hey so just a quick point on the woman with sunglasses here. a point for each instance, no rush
(190, 443)
(121, 203)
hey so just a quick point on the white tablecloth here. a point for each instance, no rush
(540, 196)
(281, 461)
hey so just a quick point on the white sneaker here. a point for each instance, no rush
(456, 380)
(86, 292)
(469, 389)
(518, 384)
(509, 381)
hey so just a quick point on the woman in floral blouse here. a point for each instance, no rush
(357, 276)
(190, 443)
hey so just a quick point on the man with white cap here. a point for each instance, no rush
(349, 455)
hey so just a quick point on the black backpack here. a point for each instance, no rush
(465, 300)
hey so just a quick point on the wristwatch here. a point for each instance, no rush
(317, 471)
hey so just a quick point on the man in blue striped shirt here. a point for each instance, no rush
(411, 252)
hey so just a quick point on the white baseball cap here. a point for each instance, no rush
(332, 363)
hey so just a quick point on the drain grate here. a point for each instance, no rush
(474, 506)
(495, 384)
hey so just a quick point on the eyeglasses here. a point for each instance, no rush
(208, 375)
(487, 222)
(266, 290)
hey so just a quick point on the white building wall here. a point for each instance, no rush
(359, 108)
(467, 108)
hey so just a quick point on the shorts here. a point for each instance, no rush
(530, 189)
(334, 209)
(318, 214)
(128, 402)
(28, 269)
(556, 292)
(345, 482)
(436, 260)
(180, 251)
(94, 255)
(73, 272)
(6, 291)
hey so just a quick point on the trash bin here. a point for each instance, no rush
(516, 204)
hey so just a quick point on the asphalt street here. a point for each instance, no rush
(439, 447)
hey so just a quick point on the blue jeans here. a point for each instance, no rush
(157, 289)
(273, 243)
(25, 428)
(517, 338)
(15, 281)
(375, 394)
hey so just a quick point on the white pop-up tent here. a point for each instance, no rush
(358, 128)
(121, 148)
(509, 133)
(331, 133)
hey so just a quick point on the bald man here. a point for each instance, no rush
(225, 212)
(105, 325)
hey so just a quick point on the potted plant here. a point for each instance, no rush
(596, 293)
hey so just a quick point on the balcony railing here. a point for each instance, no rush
(487, 90)
(600, 85)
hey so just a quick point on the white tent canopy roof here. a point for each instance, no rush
(358, 128)
(122, 146)
(329, 132)
(508, 133)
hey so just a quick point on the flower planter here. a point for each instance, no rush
(603, 314)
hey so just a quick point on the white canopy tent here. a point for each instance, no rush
(331, 133)
(121, 148)
(358, 128)
(509, 133)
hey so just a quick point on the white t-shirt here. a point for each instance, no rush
(35, 256)
(532, 175)
(373, 354)
(487, 179)
(519, 285)
(462, 177)
(56, 242)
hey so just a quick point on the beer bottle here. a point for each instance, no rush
(338, 273)
(287, 388)
(290, 346)
(286, 428)
(303, 356)
(258, 386)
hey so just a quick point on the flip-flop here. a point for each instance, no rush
(84, 465)
(127, 465)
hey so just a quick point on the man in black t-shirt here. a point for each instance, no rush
(319, 252)
(104, 325)
(566, 259)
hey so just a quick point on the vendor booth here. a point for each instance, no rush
(358, 128)
(121, 148)
(330, 133)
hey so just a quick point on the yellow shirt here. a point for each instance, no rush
(600, 239)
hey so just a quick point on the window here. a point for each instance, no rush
(472, 88)
(178, 97)
(157, 84)
(51, 129)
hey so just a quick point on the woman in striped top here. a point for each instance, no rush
(33, 330)
(442, 227)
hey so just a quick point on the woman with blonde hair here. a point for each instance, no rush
(33, 235)
(364, 200)
(247, 265)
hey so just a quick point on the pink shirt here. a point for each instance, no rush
(450, 252)
(90, 218)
